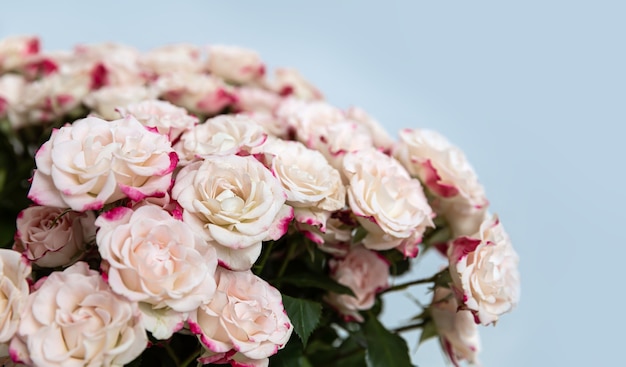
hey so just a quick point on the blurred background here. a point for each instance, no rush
(534, 92)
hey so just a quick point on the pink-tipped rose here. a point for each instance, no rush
(73, 318)
(235, 203)
(363, 271)
(51, 237)
(484, 272)
(457, 330)
(244, 324)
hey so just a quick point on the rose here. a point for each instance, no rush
(289, 82)
(106, 100)
(244, 323)
(387, 202)
(484, 272)
(457, 330)
(342, 137)
(52, 237)
(109, 64)
(172, 59)
(14, 271)
(445, 171)
(198, 93)
(221, 135)
(14, 51)
(95, 162)
(235, 203)
(158, 260)
(365, 273)
(306, 119)
(313, 186)
(381, 138)
(168, 119)
(253, 99)
(11, 89)
(50, 97)
(74, 318)
(235, 64)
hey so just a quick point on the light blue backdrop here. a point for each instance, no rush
(533, 91)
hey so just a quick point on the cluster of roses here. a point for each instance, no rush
(184, 168)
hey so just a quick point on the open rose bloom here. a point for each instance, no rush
(187, 205)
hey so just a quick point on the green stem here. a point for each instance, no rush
(402, 286)
(172, 353)
(408, 327)
(190, 358)
(259, 267)
(292, 249)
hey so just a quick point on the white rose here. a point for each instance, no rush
(235, 64)
(74, 318)
(366, 273)
(235, 203)
(11, 89)
(289, 82)
(172, 59)
(306, 119)
(95, 162)
(445, 171)
(380, 136)
(14, 51)
(198, 93)
(50, 98)
(457, 330)
(168, 119)
(244, 323)
(52, 237)
(105, 101)
(155, 259)
(110, 64)
(388, 203)
(254, 99)
(313, 186)
(13, 291)
(342, 137)
(484, 272)
(221, 135)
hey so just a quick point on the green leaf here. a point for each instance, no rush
(308, 280)
(429, 330)
(304, 315)
(383, 347)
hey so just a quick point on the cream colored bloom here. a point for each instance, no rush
(388, 203)
(457, 330)
(235, 203)
(73, 318)
(244, 323)
(95, 162)
(14, 271)
(445, 171)
(166, 118)
(363, 271)
(155, 259)
(173, 58)
(105, 101)
(289, 82)
(198, 93)
(235, 64)
(484, 272)
(221, 135)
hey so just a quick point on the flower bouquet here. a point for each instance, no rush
(181, 208)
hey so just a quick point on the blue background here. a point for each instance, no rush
(533, 91)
